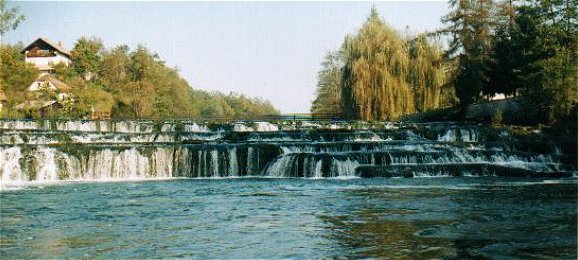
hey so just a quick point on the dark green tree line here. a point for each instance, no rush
(525, 48)
(470, 27)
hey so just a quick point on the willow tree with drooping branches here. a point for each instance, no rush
(374, 79)
(427, 74)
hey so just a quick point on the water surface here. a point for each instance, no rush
(292, 218)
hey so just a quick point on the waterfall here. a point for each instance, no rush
(242, 128)
(11, 171)
(194, 128)
(266, 127)
(215, 163)
(48, 151)
(281, 166)
(46, 165)
(233, 164)
(449, 136)
(318, 173)
(343, 168)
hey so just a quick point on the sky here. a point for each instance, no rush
(268, 49)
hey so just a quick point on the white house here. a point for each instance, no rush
(45, 54)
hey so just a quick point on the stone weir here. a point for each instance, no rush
(48, 151)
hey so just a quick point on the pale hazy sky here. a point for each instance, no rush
(267, 49)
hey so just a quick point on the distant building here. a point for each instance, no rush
(39, 105)
(45, 54)
(42, 109)
(51, 94)
(50, 82)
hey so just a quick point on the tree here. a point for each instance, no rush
(380, 75)
(328, 100)
(130, 84)
(427, 74)
(86, 57)
(374, 81)
(502, 72)
(139, 96)
(115, 67)
(10, 18)
(89, 98)
(143, 63)
(470, 27)
(15, 74)
(550, 76)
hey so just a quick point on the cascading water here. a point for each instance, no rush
(47, 151)
(233, 164)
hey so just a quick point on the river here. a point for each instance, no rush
(145, 189)
(293, 218)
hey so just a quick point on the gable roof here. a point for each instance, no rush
(35, 104)
(56, 82)
(57, 47)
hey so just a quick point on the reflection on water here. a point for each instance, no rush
(293, 218)
(489, 221)
(385, 223)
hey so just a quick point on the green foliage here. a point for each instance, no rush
(130, 84)
(115, 67)
(88, 98)
(10, 18)
(328, 100)
(375, 85)
(231, 106)
(470, 25)
(526, 48)
(553, 86)
(536, 55)
(66, 73)
(379, 75)
(427, 74)
(139, 96)
(86, 56)
(15, 74)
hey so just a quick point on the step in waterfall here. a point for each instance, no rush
(50, 151)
